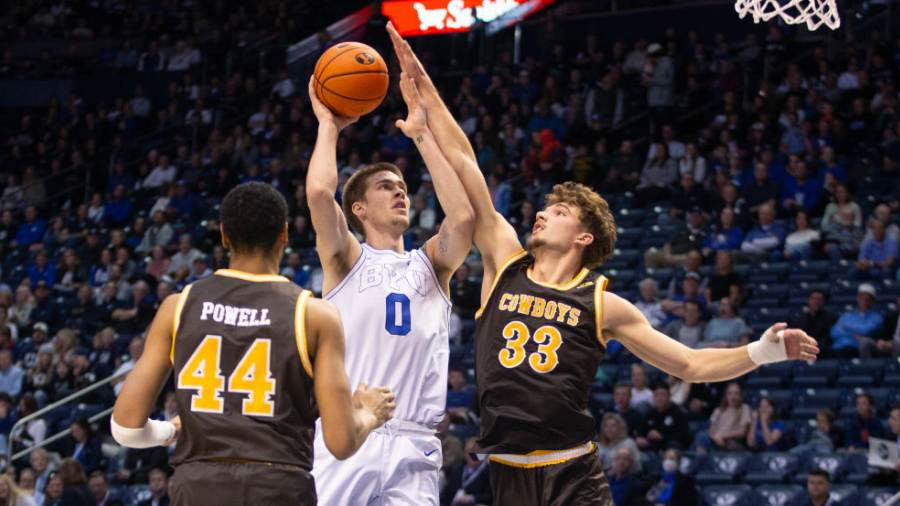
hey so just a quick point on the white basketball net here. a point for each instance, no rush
(794, 12)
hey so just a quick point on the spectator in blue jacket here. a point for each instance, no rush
(801, 190)
(32, 230)
(863, 425)
(877, 255)
(764, 241)
(117, 212)
(726, 237)
(854, 325)
(42, 270)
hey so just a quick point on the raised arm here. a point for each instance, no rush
(449, 248)
(337, 247)
(625, 323)
(346, 421)
(130, 424)
(494, 236)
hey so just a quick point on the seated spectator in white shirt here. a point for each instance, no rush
(640, 390)
(649, 304)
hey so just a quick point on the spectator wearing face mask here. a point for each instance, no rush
(672, 487)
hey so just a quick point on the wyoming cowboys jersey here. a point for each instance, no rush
(537, 349)
(243, 376)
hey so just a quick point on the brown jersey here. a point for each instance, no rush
(537, 348)
(243, 375)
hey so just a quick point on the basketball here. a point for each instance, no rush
(351, 79)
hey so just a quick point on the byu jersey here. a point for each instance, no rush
(396, 324)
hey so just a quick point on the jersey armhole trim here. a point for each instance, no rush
(182, 298)
(599, 288)
(437, 282)
(356, 265)
(300, 331)
(506, 263)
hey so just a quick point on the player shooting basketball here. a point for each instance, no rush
(544, 324)
(393, 304)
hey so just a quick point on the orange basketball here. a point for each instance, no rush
(351, 79)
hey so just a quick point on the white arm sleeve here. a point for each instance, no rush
(153, 433)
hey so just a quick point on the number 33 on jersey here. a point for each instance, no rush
(535, 342)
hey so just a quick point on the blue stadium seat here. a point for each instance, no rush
(761, 302)
(874, 496)
(861, 366)
(825, 367)
(779, 495)
(727, 495)
(774, 314)
(769, 278)
(722, 468)
(802, 289)
(691, 462)
(620, 277)
(843, 493)
(779, 369)
(855, 381)
(779, 268)
(857, 468)
(811, 400)
(771, 467)
(810, 382)
(757, 382)
(800, 277)
(834, 463)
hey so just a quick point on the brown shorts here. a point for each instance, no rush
(576, 482)
(237, 484)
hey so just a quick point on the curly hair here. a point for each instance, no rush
(595, 217)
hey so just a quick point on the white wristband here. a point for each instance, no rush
(153, 433)
(766, 350)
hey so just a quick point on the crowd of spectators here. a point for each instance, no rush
(799, 166)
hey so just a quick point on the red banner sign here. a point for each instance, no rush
(425, 17)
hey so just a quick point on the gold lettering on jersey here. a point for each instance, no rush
(539, 304)
(235, 316)
(525, 304)
(573, 317)
(563, 309)
(504, 301)
(539, 307)
(550, 312)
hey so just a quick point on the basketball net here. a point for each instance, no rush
(794, 12)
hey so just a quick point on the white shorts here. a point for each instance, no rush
(398, 465)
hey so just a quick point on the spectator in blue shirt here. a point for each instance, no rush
(877, 255)
(183, 203)
(801, 190)
(793, 140)
(118, 210)
(11, 375)
(766, 431)
(854, 325)
(42, 270)
(460, 396)
(119, 177)
(727, 237)
(764, 240)
(32, 230)
(863, 425)
(524, 91)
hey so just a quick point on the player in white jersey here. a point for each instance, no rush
(393, 306)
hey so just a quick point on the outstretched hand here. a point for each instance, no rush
(324, 114)
(415, 123)
(411, 65)
(797, 343)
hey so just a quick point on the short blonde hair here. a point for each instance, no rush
(595, 216)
